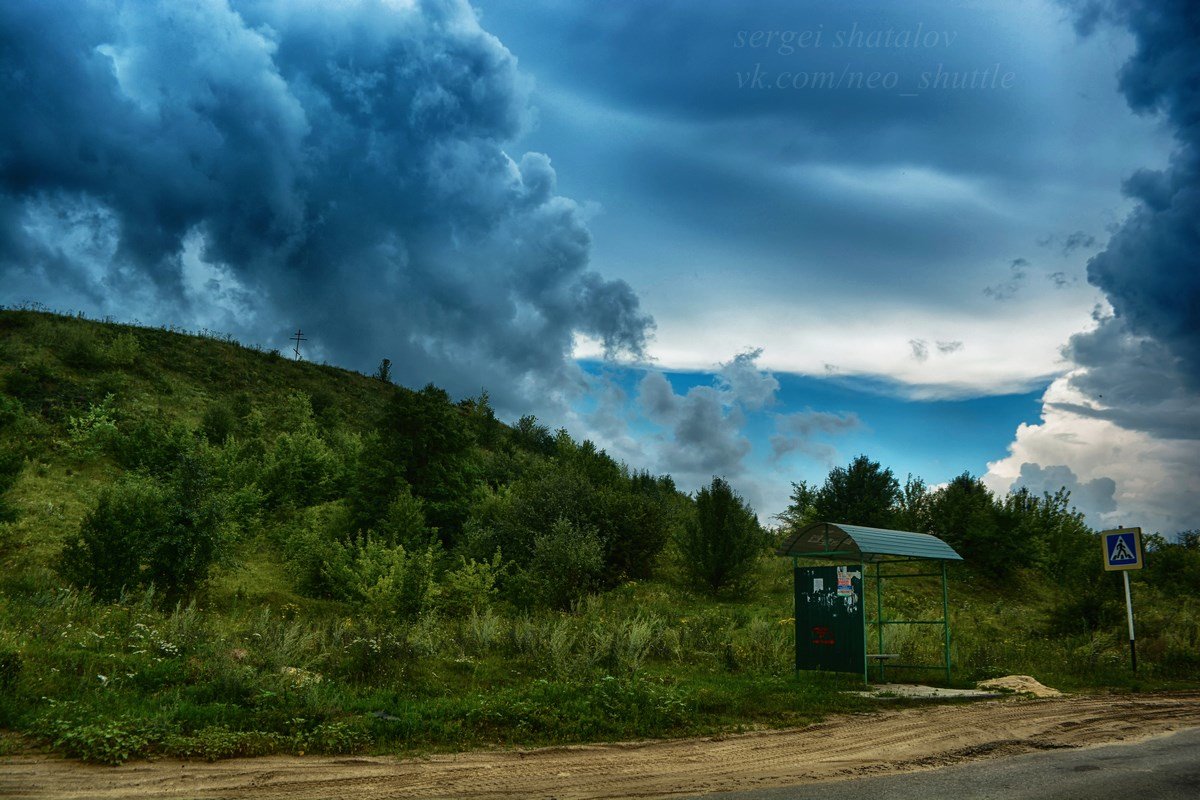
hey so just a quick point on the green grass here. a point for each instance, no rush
(254, 666)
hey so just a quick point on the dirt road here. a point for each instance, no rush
(894, 741)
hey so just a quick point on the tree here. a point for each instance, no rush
(912, 512)
(424, 442)
(384, 373)
(965, 514)
(800, 511)
(863, 493)
(721, 543)
(631, 516)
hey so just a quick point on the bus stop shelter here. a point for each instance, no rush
(832, 628)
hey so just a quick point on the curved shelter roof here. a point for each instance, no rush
(837, 540)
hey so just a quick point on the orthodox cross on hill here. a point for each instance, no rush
(298, 338)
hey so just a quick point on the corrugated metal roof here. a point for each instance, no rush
(837, 540)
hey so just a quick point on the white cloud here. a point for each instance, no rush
(1012, 349)
(1157, 479)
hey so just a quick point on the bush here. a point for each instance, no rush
(219, 423)
(404, 523)
(102, 741)
(141, 532)
(721, 544)
(106, 556)
(392, 582)
(123, 350)
(153, 444)
(10, 411)
(11, 465)
(301, 470)
(567, 564)
(95, 431)
(470, 589)
(315, 558)
(11, 664)
(77, 348)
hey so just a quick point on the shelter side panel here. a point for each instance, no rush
(829, 618)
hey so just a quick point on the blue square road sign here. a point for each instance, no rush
(1122, 548)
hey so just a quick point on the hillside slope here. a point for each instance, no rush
(211, 551)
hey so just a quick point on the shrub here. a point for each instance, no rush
(141, 532)
(332, 738)
(152, 444)
(470, 589)
(567, 564)
(404, 523)
(11, 664)
(219, 423)
(315, 559)
(106, 556)
(392, 582)
(123, 350)
(301, 469)
(77, 348)
(95, 431)
(102, 741)
(10, 411)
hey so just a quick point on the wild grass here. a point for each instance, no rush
(250, 665)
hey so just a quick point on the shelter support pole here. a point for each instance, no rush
(862, 566)
(796, 607)
(879, 615)
(946, 620)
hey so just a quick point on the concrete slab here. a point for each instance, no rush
(883, 691)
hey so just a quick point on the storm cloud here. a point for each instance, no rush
(1131, 407)
(1148, 268)
(268, 164)
(1141, 364)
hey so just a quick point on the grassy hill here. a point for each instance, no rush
(211, 550)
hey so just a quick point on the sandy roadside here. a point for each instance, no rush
(844, 746)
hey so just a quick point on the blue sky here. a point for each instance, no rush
(932, 439)
(750, 239)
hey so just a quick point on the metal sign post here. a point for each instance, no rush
(1123, 551)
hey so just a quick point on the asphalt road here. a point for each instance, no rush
(1162, 768)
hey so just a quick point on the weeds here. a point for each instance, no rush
(310, 632)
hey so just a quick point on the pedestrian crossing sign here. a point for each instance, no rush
(1122, 548)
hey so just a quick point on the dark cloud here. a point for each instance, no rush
(798, 432)
(920, 348)
(1148, 268)
(703, 431)
(1093, 498)
(1066, 245)
(337, 167)
(1133, 381)
(1006, 289)
(646, 99)
(1078, 240)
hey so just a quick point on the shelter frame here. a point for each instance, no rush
(840, 542)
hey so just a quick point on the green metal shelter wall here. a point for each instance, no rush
(830, 631)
